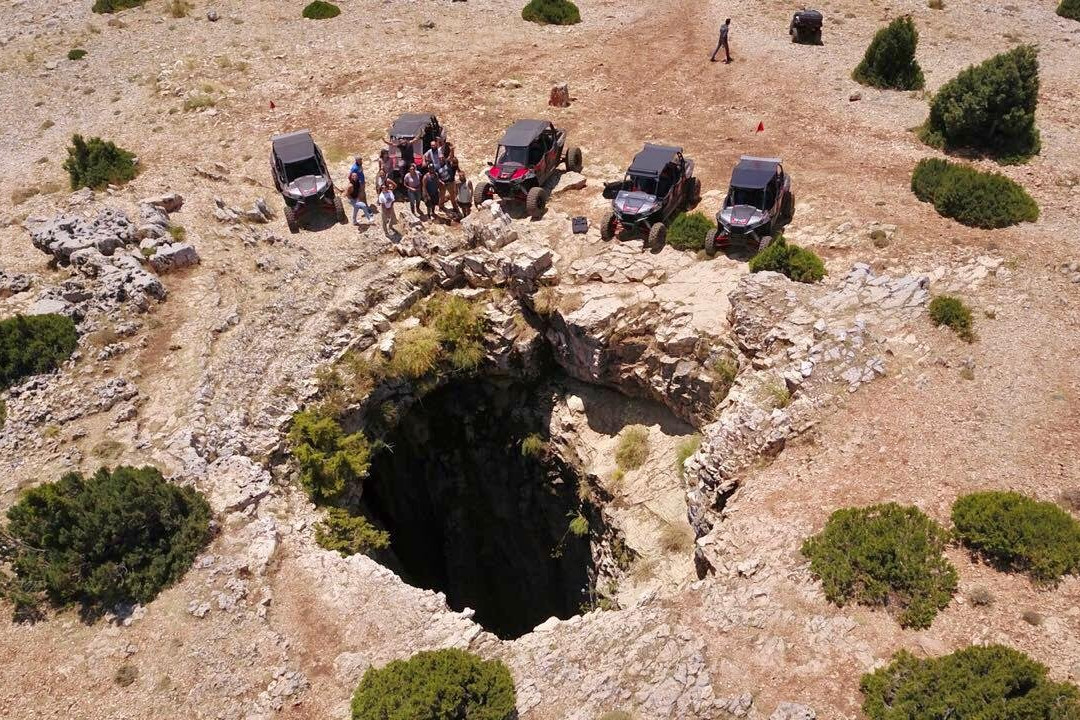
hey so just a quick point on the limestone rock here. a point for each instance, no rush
(174, 257)
(793, 711)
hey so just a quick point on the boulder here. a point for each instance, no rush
(560, 96)
(174, 257)
(793, 711)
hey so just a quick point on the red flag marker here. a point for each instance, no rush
(760, 126)
(272, 105)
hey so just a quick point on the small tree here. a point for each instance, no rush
(1069, 9)
(884, 555)
(349, 534)
(34, 344)
(977, 682)
(1020, 533)
(796, 262)
(688, 231)
(551, 12)
(327, 458)
(890, 61)
(448, 684)
(320, 10)
(95, 163)
(989, 108)
(116, 537)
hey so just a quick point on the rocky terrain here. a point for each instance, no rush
(205, 326)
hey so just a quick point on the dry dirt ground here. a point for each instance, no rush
(638, 72)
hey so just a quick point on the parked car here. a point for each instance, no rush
(659, 182)
(528, 155)
(409, 138)
(806, 27)
(300, 175)
(758, 205)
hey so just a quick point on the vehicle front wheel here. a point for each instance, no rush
(657, 237)
(607, 227)
(789, 207)
(291, 220)
(536, 202)
(764, 243)
(710, 242)
(574, 161)
(694, 196)
(339, 211)
(481, 192)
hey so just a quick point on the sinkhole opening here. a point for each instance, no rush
(473, 516)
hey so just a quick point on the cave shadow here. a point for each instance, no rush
(608, 411)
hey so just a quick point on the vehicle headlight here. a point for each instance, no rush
(293, 192)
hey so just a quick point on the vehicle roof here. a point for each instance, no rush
(754, 172)
(410, 125)
(294, 147)
(523, 132)
(652, 159)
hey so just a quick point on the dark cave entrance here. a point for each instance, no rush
(472, 516)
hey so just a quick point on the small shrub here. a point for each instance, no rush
(1070, 497)
(676, 537)
(108, 450)
(890, 61)
(533, 446)
(951, 311)
(797, 263)
(545, 301)
(976, 682)
(777, 392)
(685, 449)
(321, 10)
(551, 12)
(886, 556)
(199, 102)
(1019, 533)
(632, 449)
(76, 54)
(119, 536)
(112, 6)
(34, 344)
(1032, 617)
(980, 596)
(95, 163)
(460, 325)
(3, 413)
(177, 233)
(179, 8)
(447, 684)
(989, 108)
(328, 460)
(936, 4)
(972, 197)
(579, 526)
(416, 352)
(1069, 9)
(688, 231)
(349, 534)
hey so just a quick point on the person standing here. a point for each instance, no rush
(386, 207)
(358, 205)
(449, 178)
(723, 42)
(357, 169)
(412, 187)
(432, 188)
(464, 194)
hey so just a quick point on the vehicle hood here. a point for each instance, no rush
(740, 217)
(634, 203)
(307, 186)
(508, 172)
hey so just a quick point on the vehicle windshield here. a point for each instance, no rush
(517, 155)
(297, 170)
(745, 196)
(636, 183)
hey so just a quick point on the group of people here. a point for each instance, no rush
(437, 180)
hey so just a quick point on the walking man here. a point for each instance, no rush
(386, 207)
(723, 42)
(353, 195)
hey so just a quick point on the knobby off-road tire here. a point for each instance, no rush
(291, 221)
(657, 237)
(607, 226)
(710, 242)
(339, 211)
(764, 242)
(536, 202)
(574, 159)
(788, 211)
(480, 193)
(693, 197)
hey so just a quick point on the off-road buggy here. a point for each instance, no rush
(301, 177)
(806, 27)
(409, 138)
(758, 205)
(527, 157)
(658, 183)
